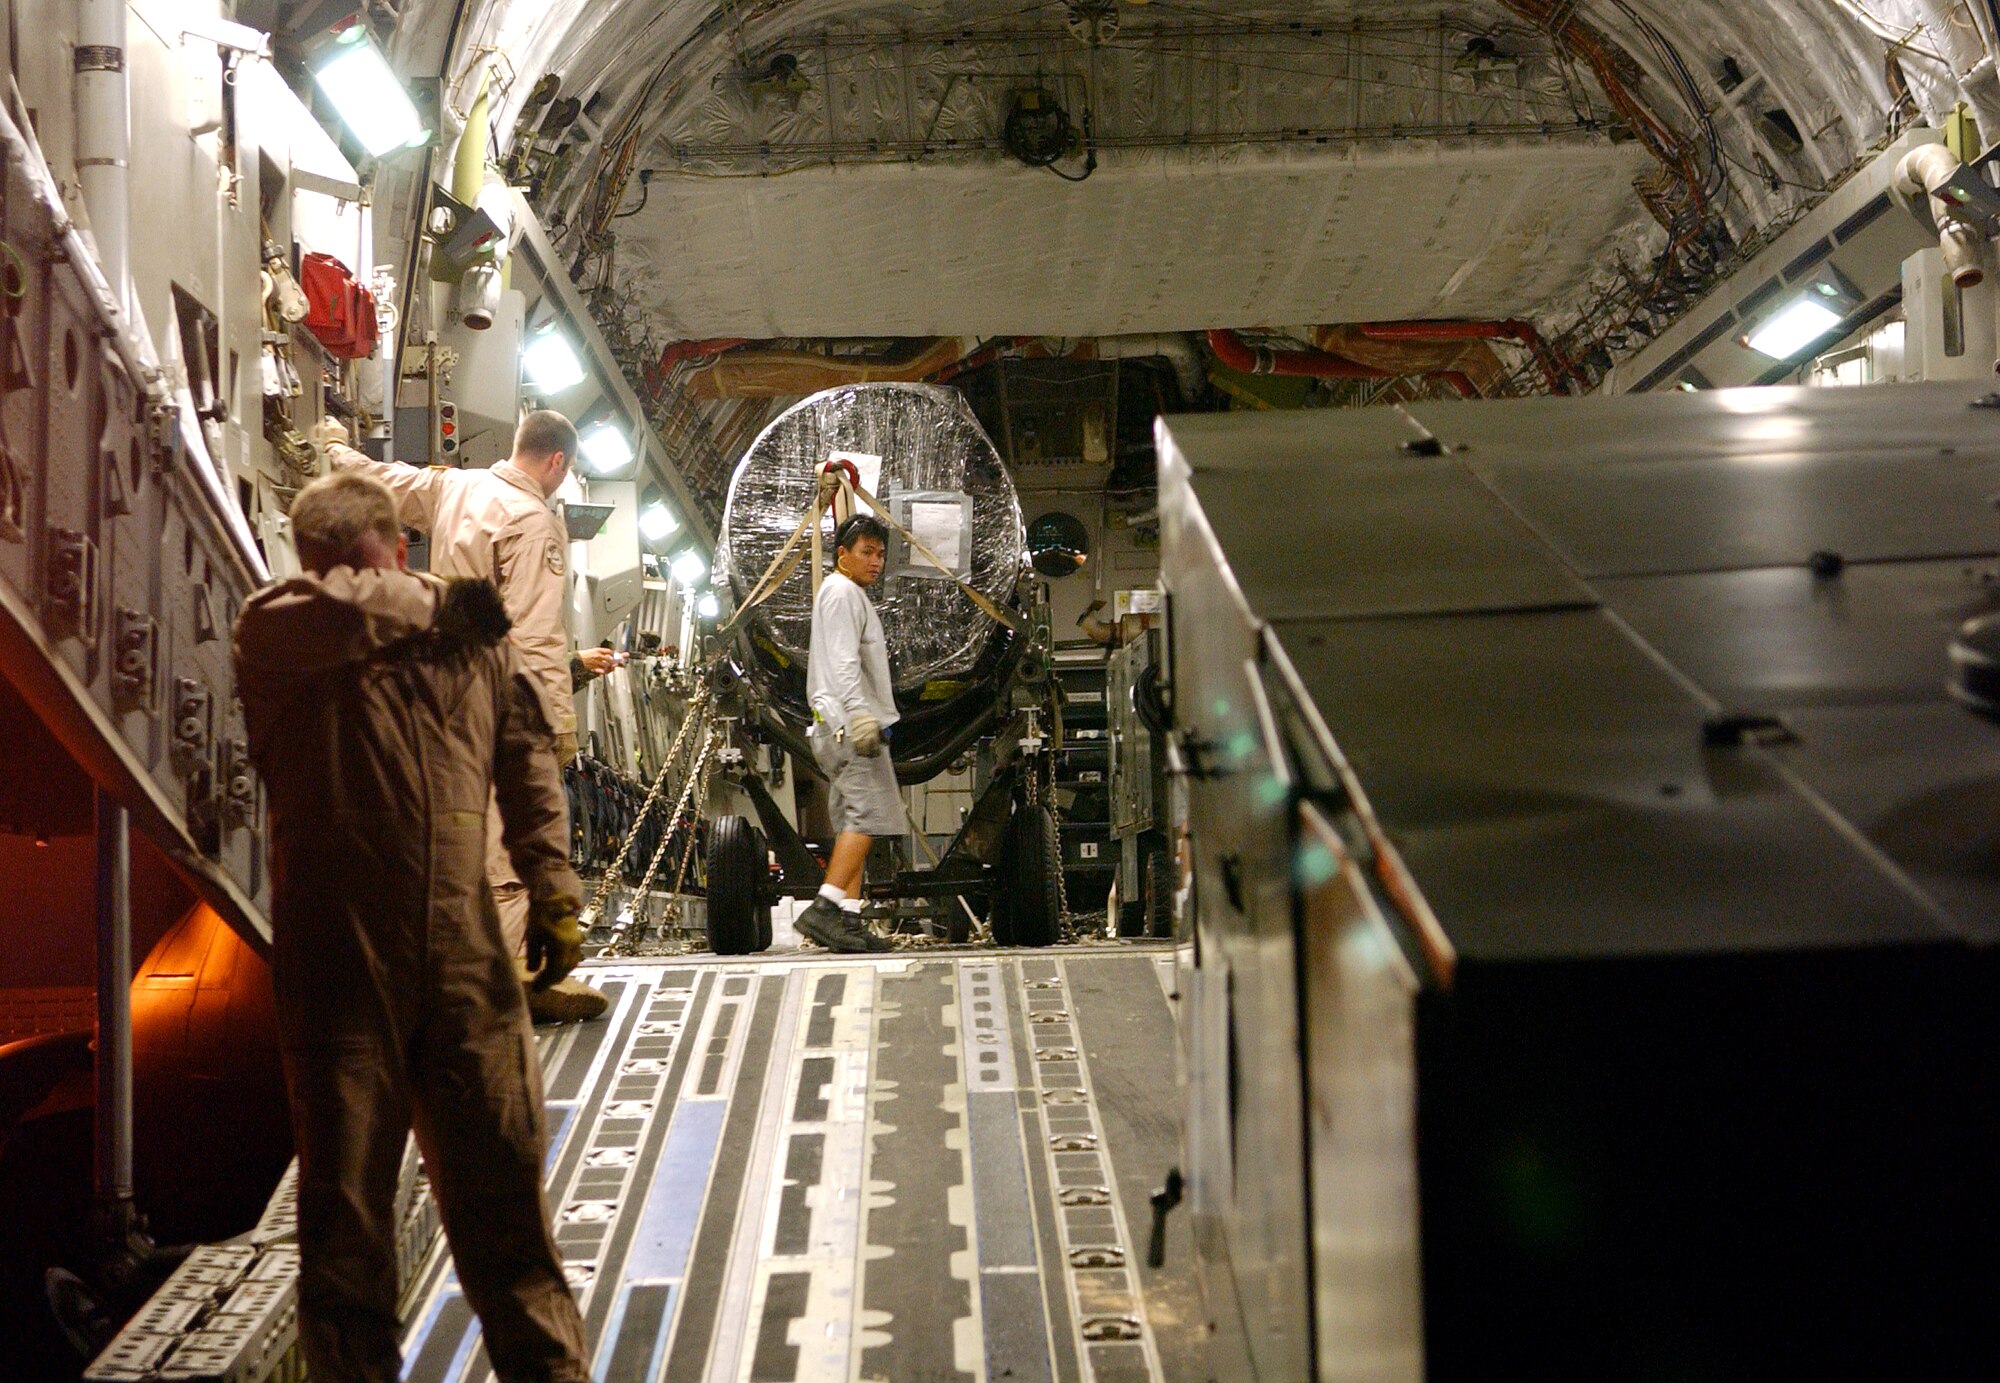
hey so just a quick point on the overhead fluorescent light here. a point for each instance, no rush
(606, 448)
(708, 607)
(657, 523)
(1792, 328)
(369, 97)
(550, 362)
(689, 567)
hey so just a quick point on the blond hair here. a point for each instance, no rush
(332, 515)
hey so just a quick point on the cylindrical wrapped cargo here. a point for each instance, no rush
(921, 452)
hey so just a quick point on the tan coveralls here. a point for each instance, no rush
(495, 524)
(398, 1001)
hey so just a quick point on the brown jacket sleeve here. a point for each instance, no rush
(534, 814)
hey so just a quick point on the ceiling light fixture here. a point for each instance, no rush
(606, 449)
(1793, 328)
(708, 607)
(689, 567)
(368, 95)
(550, 361)
(657, 523)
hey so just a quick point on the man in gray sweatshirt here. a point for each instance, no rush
(854, 704)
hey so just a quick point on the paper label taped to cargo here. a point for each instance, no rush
(1144, 601)
(939, 526)
(868, 467)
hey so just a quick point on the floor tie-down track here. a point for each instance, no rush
(907, 1168)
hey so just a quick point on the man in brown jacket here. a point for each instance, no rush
(496, 523)
(382, 709)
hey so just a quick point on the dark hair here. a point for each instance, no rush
(859, 527)
(545, 432)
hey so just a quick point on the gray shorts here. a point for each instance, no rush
(863, 796)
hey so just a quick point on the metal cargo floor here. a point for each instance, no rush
(912, 1167)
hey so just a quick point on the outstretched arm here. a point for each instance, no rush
(417, 489)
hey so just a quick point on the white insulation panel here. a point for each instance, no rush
(1147, 245)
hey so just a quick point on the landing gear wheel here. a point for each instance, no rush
(763, 926)
(1027, 893)
(1159, 894)
(734, 863)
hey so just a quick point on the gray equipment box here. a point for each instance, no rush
(1139, 792)
(1594, 885)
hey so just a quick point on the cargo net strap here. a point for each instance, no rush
(839, 488)
(696, 738)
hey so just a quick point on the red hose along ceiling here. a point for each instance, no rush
(1333, 356)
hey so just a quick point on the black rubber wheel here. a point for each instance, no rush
(765, 896)
(734, 863)
(1158, 884)
(1027, 895)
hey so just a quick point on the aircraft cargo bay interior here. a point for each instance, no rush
(852, 691)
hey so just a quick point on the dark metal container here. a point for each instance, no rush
(1594, 886)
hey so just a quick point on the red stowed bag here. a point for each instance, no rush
(340, 311)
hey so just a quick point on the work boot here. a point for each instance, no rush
(838, 929)
(565, 1001)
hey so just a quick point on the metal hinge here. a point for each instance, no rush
(73, 604)
(135, 669)
(191, 710)
(239, 784)
(163, 421)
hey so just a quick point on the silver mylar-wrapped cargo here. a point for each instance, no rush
(923, 454)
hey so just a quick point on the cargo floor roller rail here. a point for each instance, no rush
(969, 652)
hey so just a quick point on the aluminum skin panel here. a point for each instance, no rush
(23, 329)
(71, 510)
(1706, 983)
(1134, 769)
(134, 516)
(1850, 664)
(1245, 1100)
(1635, 485)
(121, 563)
(1781, 639)
(1920, 780)
(1549, 787)
(1360, 1055)
(1312, 521)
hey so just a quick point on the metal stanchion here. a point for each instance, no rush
(114, 1027)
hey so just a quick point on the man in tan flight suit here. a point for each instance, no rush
(497, 524)
(383, 709)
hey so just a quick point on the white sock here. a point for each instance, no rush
(832, 894)
(852, 905)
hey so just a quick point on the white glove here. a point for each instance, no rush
(865, 734)
(328, 431)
